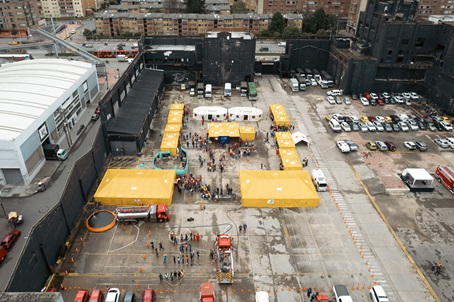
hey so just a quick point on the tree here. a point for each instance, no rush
(239, 7)
(171, 6)
(277, 23)
(14, 31)
(319, 21)
(291, 32)
(195, 6)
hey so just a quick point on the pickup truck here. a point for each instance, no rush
(341, 293)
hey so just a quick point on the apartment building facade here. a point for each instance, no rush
(117, 24)
(20, 15)
(435, 7)
(68, 8)
(338, 8)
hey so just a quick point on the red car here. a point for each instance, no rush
(381, 102)
(10, 239)
(366, 95)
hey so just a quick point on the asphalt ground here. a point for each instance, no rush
(284, 251)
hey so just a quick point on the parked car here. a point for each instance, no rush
(364, 101)
(148, 295)
(343, 146)
(380, 102)
(412, 125)
(335, 125)
(444, 143)
(421, 146)
(414, 96)
(347, 101)
(388, 119)
(341, 293)
(381, 146)
(388, 127)
(391, 146)
(379, 126)
(129, 297)
(394, 118)
(446, 126)
(94, 117)
(364, 119)
(410, 145)
(385, 95)
(406, 95)
(396, 127)
(113, 295)
(377, 294)
(313, 82)
(371, 118)
(354, 96)
(10, 238)
(339, 118)
(81, 296)
(403, 117)
(362, 127)
(398, 99)
(371, 127)
(450, 141)
(264, 49)
(373, 102)
(403, 126)
(379, 118)
(431, 127)
(331, 100)
(354, 126)
(421, 125)
(346, 127)
(371, 145)
(351, 144)
(354, 118)
(338, 100)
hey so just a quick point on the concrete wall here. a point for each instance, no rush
(308, 54)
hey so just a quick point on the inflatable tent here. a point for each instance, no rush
(223, 129)
(210, 113)
(245, 114)
(291, 162)
(177, 106)
(277, 189)
(136, 187)
(172, 128)
(247, 133)
(170, 145)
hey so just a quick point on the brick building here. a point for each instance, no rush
(21, 15)
(116, 24)
(435, 7)
(338, 8)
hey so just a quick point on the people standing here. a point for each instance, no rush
(244, 227)
(309, 292)
(438, 269)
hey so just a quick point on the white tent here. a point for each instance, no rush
(245, 114)
(210, 113)
(299, 137)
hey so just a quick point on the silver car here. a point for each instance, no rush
(371, 127)
(379, 126)
(362, 127)
(381, 146)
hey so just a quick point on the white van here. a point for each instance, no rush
(335, 125)
(208, 91)
(319, 180)
(228, 89)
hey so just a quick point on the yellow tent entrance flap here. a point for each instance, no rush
(277, 189)
(136, 187)
(223, 129)
(247, 133)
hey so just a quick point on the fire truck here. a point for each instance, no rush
(206, 292)
(224, 273)
(152, 213)
(445, 175)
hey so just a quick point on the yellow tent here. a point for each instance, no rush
(277, 109)
(289, 152)
(135, 187)
(291, 162)
(175, 120)
(277, 189)
(172, 135)
(172, 128)
(169, 145)
(223, 129)
(282, 120)
(285, 143)
(175, 113)
(247, 133)
(282, 135)
(177, 106)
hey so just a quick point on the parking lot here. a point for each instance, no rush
(285, 251)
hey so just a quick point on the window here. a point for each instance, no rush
(405, 41)
(420, 42)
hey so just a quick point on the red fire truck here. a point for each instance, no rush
(445, 175)
(225, 271)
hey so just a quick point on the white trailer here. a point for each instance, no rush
(294, 84)
(208, 91)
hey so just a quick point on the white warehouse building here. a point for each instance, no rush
(39, 101)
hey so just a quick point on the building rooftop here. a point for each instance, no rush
(29, 88)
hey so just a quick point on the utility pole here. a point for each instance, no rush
(55, 43)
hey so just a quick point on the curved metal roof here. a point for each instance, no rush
(29, 88)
